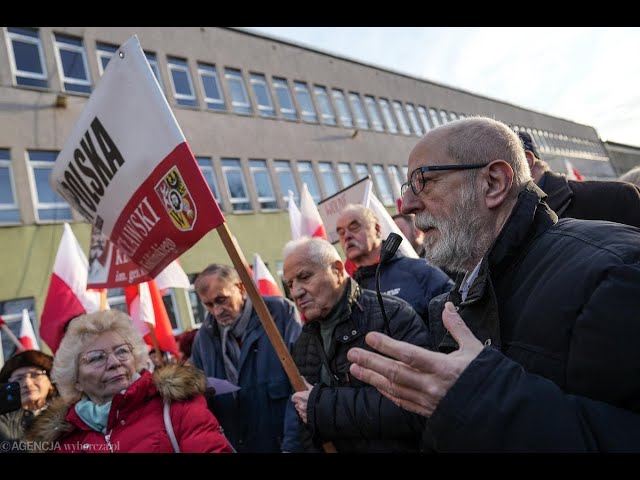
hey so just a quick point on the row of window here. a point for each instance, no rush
(271, 179)
(312, 104)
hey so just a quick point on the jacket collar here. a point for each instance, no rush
(558, 190)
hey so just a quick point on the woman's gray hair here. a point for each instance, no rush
(319, 251)
(482, 140)
(84, 330)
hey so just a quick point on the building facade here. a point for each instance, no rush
(261, 115)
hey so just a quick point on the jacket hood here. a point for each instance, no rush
(174, 383)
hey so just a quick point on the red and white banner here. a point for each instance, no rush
(263, 279)
(27, 335)
(127, 168)
(67, 296)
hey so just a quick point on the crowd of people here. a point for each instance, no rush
(512, 331)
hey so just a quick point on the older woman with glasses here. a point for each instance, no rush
(30, 369)
(110, 403)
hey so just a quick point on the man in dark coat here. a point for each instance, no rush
(232, 345)
(613, 201)
(537, 349)
(338, 407)
(412, 279)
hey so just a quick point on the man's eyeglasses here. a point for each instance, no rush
(34, 375)
(98, 358)
(417, 180)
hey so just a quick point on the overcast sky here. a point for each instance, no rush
(588, 75)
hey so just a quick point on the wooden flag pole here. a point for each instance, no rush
(269, 325)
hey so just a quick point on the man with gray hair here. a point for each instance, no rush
(233, 345)
(338, 407)
(536, 347)
(411, 279)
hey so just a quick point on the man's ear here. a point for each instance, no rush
(531, 159)
(242, 288)
(338, 266)
(378, 230)
(498, 181)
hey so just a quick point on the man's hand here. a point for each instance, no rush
(300, 400)
(414, 378)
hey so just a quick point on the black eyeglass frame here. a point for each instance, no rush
(434, 168)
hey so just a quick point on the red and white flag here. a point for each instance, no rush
(27, 335)
(263, 279)
(572, 172)
(310, 221)
(67, 296)
(127, 168)
(147, 310)
(294, 217)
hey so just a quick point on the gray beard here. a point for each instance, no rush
(463, 236)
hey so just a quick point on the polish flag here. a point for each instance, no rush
(310, 220)
(572, 172)
(294, 217)
(147, 310)
(27, 335)
(263, 278)
(173, 276)
(67, 296)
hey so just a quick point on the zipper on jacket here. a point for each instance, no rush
(107, 437)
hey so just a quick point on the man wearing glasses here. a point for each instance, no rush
(31, 370)
(232, 345)
(536, 347)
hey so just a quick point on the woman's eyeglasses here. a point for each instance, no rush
(98, 358)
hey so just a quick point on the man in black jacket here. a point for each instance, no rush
(613, 201)
(338, 407)
(537, 349)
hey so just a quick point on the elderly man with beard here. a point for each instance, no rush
(536, 347)
(411, 279)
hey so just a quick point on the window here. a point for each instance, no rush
(402, 120)
(287, 109)
(424, 116)
(286, 181)
(262, 182)
(239, 97)
(346, 175)
(382, 185)
(396, 180)
(72, 64)
(211, 86)
(49, 205)
(262, 95)
(26, 57)
(307, 176)
(444, 117)
(358, 111)
(413, 119)
(9, 212)
(116, 300)
(11, 312)
(343, 110)
(307, 110)
(181, 82)
(374, 113)
(435, 119)
(453, 116)
(326, 110)
(206, 167)
(153, 63)
(387, 114)
(104, 51)
(328, 177)
(362, 171)
(236, 185)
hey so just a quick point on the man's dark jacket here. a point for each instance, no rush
(592, 200)
(350, 413)
(558, 303)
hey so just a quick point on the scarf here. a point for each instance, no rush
(94, 415)
(232, 337)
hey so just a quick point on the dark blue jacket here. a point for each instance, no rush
(558, 302)
(253, 417)
(412, 279)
